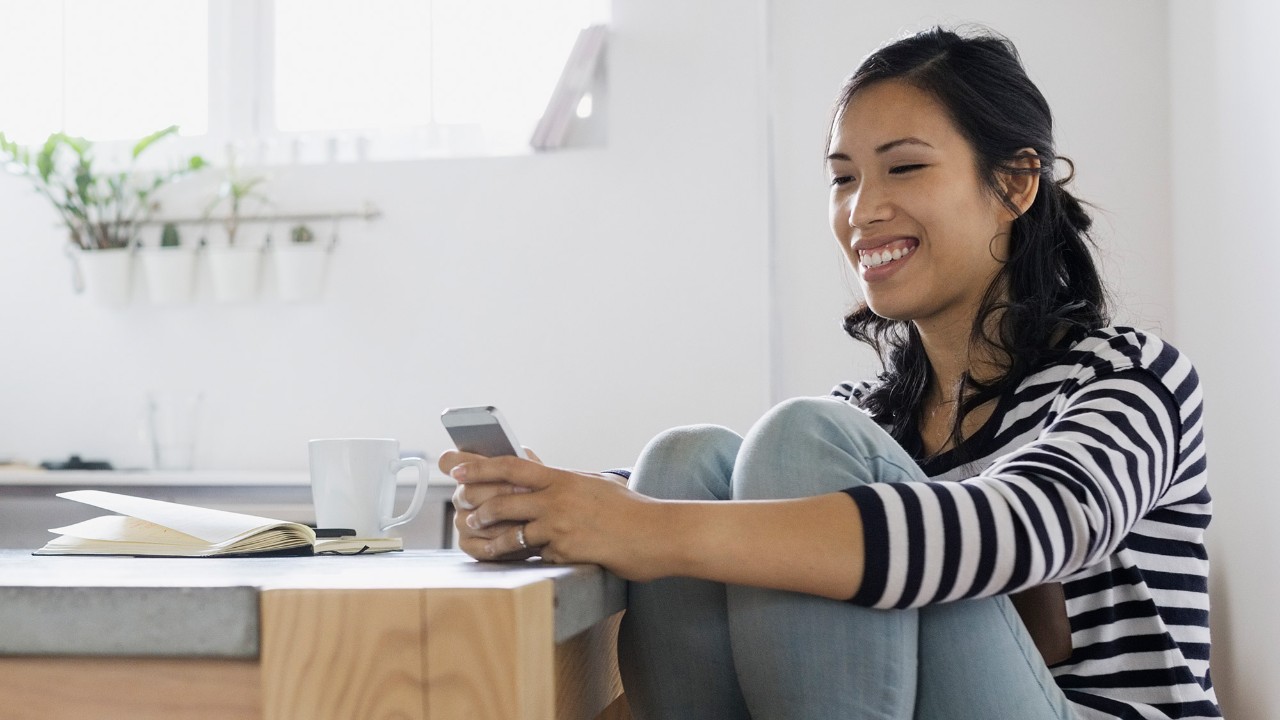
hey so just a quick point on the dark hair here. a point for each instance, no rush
(1049, 282)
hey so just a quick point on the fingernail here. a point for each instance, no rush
(458, 472)
(473, 522)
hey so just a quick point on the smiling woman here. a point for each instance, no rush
(1007, 523)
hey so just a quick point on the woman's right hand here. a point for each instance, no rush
(468, 497)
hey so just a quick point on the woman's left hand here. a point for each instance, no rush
(568, 517)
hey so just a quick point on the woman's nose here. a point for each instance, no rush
(868, 205)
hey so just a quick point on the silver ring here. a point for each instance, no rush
(520, 537)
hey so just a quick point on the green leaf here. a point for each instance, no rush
(196, 163)
(44, 160)
(147, 141)
(77, 144)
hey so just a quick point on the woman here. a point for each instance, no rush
(1006, 524)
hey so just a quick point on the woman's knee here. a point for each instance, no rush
(814, 445)
(795, 424)
(692, 462)
(809, 416)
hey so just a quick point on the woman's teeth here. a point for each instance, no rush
(873, 258)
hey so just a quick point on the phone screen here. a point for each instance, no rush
(486, 440)
(481, 430)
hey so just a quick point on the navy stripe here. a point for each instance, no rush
(875, 531)
(1102, 581)
(1199, 708)
(986, 539)
(915, 544)
(1153, 677)
(1132, 644)
(1183, 582)
(1022, 569)
(1114, 708)
(1127, 610)
(951, 543)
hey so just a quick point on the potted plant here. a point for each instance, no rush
(100, 209)
(169, 267)
(300, 266)
(234, 260)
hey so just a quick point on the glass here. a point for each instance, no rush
(172, 422)
(31, 100)
(134, 66)
(344, 65)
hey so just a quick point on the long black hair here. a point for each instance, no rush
(1049, 284)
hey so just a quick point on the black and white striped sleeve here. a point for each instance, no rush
(1058, 504)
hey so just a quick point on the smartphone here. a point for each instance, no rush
(481, 430)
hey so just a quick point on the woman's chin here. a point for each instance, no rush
(890, 310)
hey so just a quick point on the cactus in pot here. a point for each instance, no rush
(302, 235)
(169, 236)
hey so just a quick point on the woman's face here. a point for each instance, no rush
(914, 219)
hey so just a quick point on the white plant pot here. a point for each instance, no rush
(300, 271)
(235, 273)
(171, 274)
(107, 275)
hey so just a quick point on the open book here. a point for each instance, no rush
(155, 527)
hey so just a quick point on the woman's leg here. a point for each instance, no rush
(804, 657)
(978, 660)
(673, 645)
(800, 656)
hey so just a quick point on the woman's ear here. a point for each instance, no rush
(1020, 188)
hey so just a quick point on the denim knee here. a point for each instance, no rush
(815, 415)
(692, 462)
(813, 445)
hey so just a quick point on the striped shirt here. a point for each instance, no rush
(1091, 473)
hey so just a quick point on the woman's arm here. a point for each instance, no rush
(811, 545)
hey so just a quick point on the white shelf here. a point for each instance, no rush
(196, 478)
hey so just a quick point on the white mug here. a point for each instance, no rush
(353, 484)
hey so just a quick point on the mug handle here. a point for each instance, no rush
(420, 494)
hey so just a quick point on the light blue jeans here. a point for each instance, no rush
(700, 650)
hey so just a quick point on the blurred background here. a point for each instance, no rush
(665, 261)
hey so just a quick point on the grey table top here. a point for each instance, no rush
(208, 607)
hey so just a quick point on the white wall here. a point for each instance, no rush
(1225, 192)
(597, 296)
(1114, 126)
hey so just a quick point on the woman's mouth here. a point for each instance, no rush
(888, 253)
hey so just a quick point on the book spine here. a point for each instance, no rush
(575, 80)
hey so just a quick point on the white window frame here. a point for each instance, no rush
(241, 118)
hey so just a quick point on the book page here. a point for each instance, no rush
(119, 527)
(212, 526)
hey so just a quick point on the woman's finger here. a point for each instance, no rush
(488, 532)
(470, 497)
(517, 471)
(508, 542)
(515, 507)
(449, 459)
(479, 549)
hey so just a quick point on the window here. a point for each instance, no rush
(103, 70)
(290, 80)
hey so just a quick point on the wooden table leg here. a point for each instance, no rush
(341, 654)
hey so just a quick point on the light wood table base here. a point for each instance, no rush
(349, 658)
(486, 651)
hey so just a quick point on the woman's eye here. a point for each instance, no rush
(903, 169)
(841, 179)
